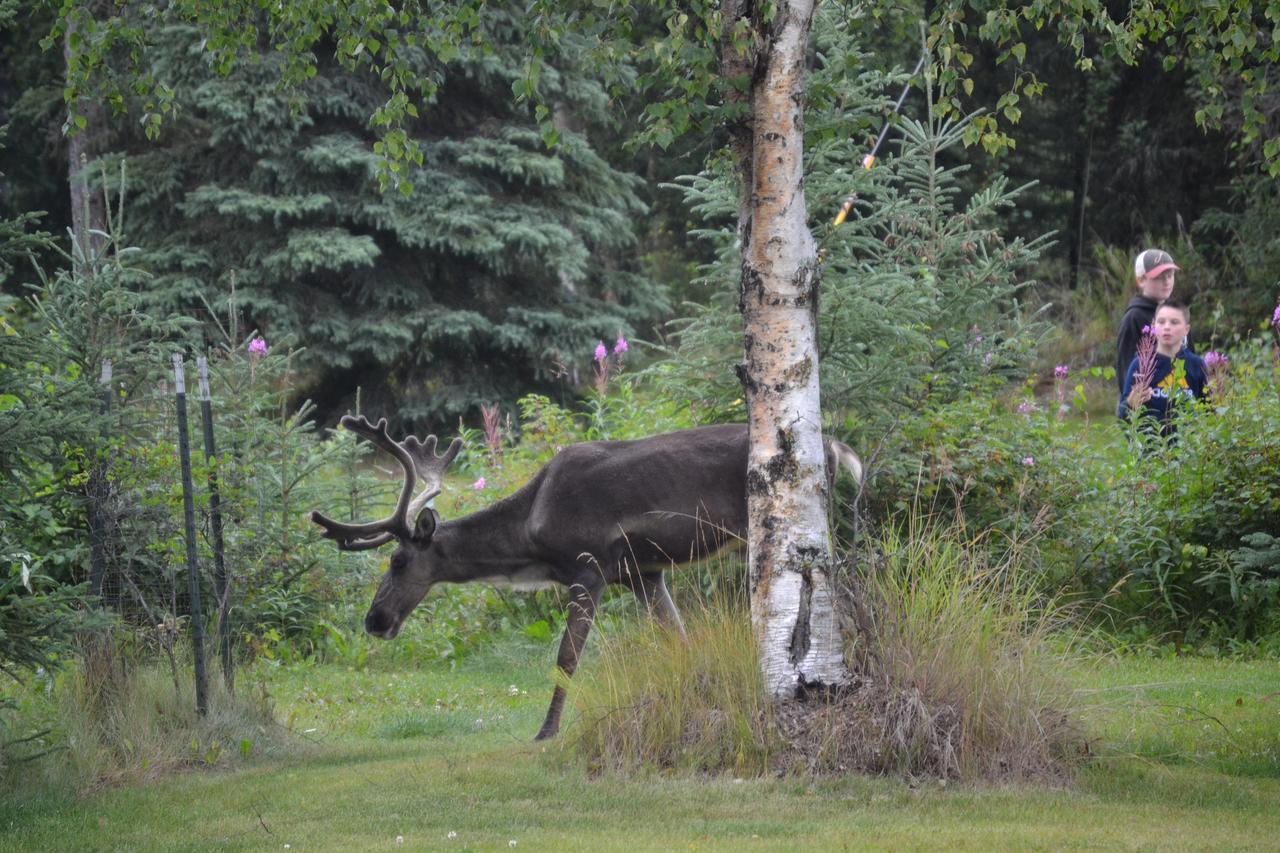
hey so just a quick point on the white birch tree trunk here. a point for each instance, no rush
(788, 539)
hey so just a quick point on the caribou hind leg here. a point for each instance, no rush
(584, 595)
(651, 588)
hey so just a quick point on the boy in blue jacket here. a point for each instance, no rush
(1154, 273)
(1166, 386)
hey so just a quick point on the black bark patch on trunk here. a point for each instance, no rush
(800, 633)
(752, 287)
(783, 464)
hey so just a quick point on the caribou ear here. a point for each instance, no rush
(424, 526)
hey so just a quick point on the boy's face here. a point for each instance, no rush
(1171, 327)
(1157, 287)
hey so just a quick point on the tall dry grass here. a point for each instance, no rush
(654, 702)
(955, 678)
(115, 720)
(966, 648)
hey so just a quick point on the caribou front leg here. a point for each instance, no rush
(583, 597)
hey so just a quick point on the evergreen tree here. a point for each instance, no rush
(507, 261)
(919, 286)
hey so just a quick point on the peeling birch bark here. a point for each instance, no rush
(788, 539)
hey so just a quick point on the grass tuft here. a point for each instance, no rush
(960, 644)
(654, 702)
(955, 681)
(112, 721)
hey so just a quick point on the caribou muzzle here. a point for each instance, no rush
(382, 624)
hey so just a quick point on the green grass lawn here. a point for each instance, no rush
(1187, 755)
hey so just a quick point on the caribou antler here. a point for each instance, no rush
(419, 460)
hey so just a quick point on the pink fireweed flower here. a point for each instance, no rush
(1146, 361)
(621, 346)
(1061, 372)
(602, 352)
(1029, 461)
(478, 484)
(1275, 317)
(1217, 365)
(1026, 407)
(257, 346)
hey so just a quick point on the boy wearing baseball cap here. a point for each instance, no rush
(1154, 271)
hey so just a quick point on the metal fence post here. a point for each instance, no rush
(189, 517)
(220, 581)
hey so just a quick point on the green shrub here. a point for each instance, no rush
(1171, 539)
(1184, 536)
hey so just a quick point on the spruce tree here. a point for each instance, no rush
(920, 286)
(507, 262)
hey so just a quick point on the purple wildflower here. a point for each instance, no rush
(1275, 318)
(478, 484)
(1147, 330)
(257, 346)
(1029, 461)
(1026, 407)
(1217, 365)
(1061, 372)
(621, 346)
(1146, 362)
(602, 352)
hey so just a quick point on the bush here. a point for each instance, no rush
(1184, 536)
(1175, 540)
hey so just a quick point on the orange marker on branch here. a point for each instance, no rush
(869, 161)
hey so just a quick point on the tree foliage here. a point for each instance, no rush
(919, 287)
(45, 422)
(512, 258)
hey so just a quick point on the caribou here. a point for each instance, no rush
(598, 513)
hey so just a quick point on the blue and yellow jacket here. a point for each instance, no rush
(1190, 386)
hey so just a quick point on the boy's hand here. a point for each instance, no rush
(1137, 397)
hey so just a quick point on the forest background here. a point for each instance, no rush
(968, 314)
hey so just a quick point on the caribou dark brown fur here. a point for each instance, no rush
(602, 512)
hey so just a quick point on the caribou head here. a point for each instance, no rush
(412, 571)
